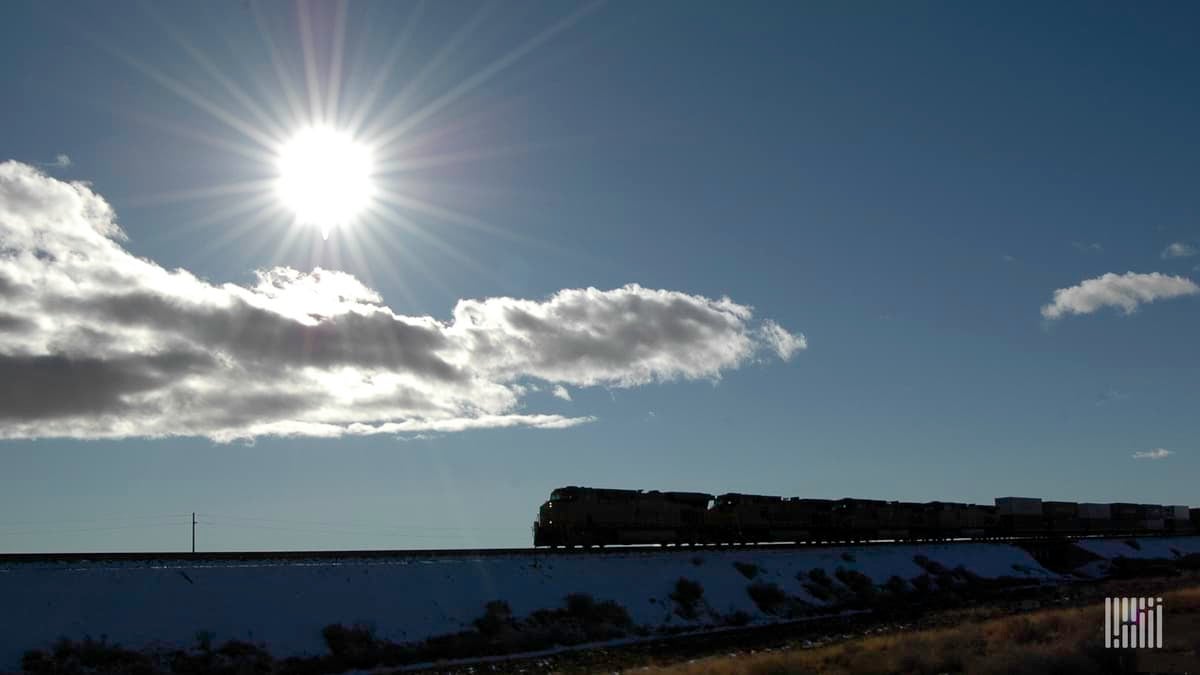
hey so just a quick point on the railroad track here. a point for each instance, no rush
(263, 556)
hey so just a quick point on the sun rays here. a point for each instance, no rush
(328, 138)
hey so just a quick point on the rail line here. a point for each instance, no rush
(263, 556)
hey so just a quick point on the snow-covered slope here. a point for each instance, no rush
(285, 605)
(1152, 547)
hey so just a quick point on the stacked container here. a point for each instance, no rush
(1125, 516)
(1062, 517)
(1020, 515)
(1178, 521)
(1095, 517)
(1152, 518)
(947, 516)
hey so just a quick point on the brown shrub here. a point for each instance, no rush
(748, 570)
(686, 595)
(769, 597)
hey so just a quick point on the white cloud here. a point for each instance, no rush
(98, 343)
(1125, 291)
(1179, 250)
(1157, 453)
(1093, 247)
(560, 391)
(783, 343)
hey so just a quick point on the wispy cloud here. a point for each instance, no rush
(560, 391)
(1093, 247)
(1111, 396)
(1157, 453)
(1179, 249)
(783, 343)
(1125, 291)
(96, 342)
(61, 161)
(417, 437)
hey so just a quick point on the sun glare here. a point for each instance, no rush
(325, 177)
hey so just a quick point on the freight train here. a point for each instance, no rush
(581, 516)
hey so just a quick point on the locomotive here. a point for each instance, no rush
(582, 516)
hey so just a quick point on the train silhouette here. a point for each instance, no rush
(582, 516)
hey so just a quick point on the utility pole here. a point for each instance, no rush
(193, 531)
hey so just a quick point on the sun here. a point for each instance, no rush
(325, 177)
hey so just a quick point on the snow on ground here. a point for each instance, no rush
(285, 604)
(1152, 547)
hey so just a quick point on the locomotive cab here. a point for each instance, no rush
(602, 517)
(554, 517)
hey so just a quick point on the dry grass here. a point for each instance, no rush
(1052, 641)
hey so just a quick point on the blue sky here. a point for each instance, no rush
(905, 186)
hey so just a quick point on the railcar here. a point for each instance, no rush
(1178, 521)
(582, 516)
(950, 520)
(742, 518)
(599, 517)
(1095, 518)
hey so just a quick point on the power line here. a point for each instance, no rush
(355, 523)
(216, 521)
(94, 519)
(325, 530)
(87, 529)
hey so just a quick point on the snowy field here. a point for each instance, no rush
(286, 604)
(1153, 547)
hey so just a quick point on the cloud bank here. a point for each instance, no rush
(98, 343)
(1125, 291)
(1157, 453)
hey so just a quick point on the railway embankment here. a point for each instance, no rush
(330, 613)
